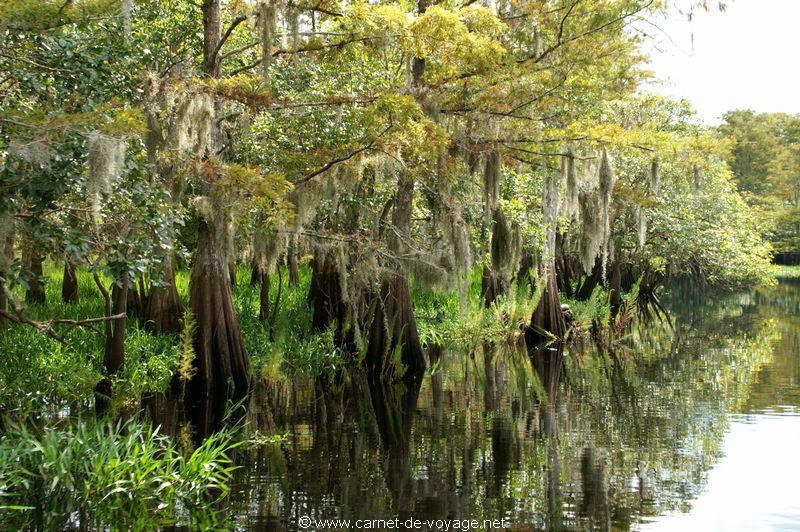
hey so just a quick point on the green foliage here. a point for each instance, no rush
(787, 272)
(42, 15)
(765, 159)
(594, 311)
(39, 374)
(99, 474)
(444, 319)
(293, 348)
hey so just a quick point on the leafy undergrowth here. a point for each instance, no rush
(39, 374)
(42, 376)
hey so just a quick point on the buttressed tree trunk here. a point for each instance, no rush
(163, 310)
(393, 324)
(222, 363)
(330, 308)
(221, 359)
(548, 316)
(69, 284)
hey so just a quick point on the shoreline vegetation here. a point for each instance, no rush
(52, 441)
(787, 272)
(201, 200)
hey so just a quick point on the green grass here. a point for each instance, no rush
(787, 272)
(39, 374)
(105, 475)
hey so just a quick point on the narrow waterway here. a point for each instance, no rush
(690, 423)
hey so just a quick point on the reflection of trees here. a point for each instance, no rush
(659, 406)
(777, 382)
(594, 485)
(394, 406)
(593, 442)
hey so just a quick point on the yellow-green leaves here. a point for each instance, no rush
(36, 15)
(452, 40)
(463, 41)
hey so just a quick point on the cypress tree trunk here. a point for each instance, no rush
(221, 359)
(526, 264)
(325, 293)
(69, 284)
(134, 303)
(35, 292)
(115, 345)
(491, 286)
(616, 285)
(163, 310)
(263, 308)
(328, 301)
(564, 270)
(255, 273)
(394, 327)
(393, 323)
(232, 271)
(548, 316)
(114, 357)
(6, 258)
(590, 282)
(291, 260)
(3, 303)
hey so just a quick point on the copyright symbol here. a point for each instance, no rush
(304, 522)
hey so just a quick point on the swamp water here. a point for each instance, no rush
(688, 425)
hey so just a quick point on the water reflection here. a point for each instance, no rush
(575, 440)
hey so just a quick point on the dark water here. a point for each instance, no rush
(693, 425)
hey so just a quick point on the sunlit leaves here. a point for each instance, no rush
(45, 14)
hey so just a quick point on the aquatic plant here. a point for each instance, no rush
(98, 474)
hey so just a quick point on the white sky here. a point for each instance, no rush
(745, 58)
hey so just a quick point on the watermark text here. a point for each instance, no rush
(411, 523)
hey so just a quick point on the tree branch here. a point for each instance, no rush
(241, 17)
(342, 159)
(47, 327)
